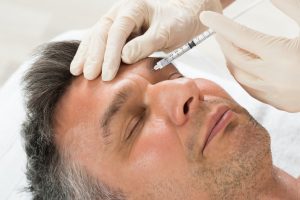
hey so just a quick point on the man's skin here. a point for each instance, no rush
(155, 145)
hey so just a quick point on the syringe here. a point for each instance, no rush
(196, 41)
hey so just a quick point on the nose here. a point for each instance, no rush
(174, 99)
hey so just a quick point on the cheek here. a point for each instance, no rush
(158, 148)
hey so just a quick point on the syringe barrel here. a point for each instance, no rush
(182, 50)
(203, 36)
(174, 54)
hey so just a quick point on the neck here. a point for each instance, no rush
(280, 186)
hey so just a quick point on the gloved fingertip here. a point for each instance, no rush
(75, 69)
(107, 77)
(91, 69)
(108, 74)
(89, 74)
(127, 55)
(126, 59)
(207, 17)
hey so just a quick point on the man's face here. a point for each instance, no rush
(157, 135)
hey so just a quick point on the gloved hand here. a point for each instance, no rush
(267, 67)
(160, 24)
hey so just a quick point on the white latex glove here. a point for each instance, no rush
(267, 67)
(161, 24)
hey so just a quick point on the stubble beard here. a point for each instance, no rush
(239, 175)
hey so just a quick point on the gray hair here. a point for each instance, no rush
(50, 173)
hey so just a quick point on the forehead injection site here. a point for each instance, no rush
(170, 66)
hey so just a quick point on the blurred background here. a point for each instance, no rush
(24, 24)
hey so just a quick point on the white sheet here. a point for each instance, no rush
(205, 61)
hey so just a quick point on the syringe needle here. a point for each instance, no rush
(156, 67)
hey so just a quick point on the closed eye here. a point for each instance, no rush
(175, 75)
(135, 125)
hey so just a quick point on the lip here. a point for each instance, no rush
(218, 121)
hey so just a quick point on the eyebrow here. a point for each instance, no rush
(119, 99)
